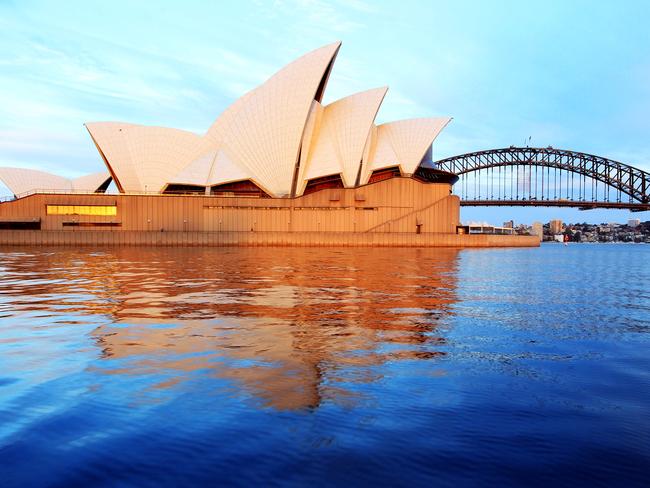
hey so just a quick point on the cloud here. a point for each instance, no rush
(317, 15)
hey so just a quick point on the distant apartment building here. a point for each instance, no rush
(604, 228)
(633, 223)
(510, 224)
(537, 229)
(555, 226)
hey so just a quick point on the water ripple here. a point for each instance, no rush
(172, 366)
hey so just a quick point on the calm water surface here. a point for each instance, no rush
(320, 367)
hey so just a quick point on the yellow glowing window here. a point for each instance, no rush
(81, 210)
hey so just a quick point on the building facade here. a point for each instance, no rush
(555, 226)
(537, 229)
(276, 160)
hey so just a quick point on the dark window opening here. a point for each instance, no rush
(384, 174)
(92, 224)
(104, 186)
(432, 175)
(323, 183)
(184, 190)
(20, 225)
(245, 188)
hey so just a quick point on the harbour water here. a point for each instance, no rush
(321, 367)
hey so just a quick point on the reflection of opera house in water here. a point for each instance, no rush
(289, 336)
(277, 167)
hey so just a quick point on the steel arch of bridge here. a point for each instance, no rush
(624, 179)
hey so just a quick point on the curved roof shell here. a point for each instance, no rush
(141, 158)
(403, 143)
(338, 138)
(278, 135)
(213, 168)
(262, 131)
(94, 182)
(22, 180)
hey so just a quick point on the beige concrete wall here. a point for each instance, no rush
(395, 205)
(261, 239)
(386, 213)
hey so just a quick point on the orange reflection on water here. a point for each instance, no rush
(292, 327)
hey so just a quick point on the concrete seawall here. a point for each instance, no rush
(298, 239)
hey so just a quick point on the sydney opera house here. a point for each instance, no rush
(277, 167)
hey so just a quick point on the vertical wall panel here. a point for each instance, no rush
(387, 214)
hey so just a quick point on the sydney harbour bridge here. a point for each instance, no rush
(549, 177)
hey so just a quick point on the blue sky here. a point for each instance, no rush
(570, 74)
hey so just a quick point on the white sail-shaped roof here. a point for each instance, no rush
(261, 132)
(224, 170)
(144, 158)
(92, 182)
(309, 140)
(339, 136)
(196, 173)
(111, 144)
(160, 153)
(402, 143)
(278, 135)
(213, 168)
(21, 180)
(368, 153)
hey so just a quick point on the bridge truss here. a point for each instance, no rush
(529, 176)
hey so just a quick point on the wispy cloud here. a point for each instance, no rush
(317, 15)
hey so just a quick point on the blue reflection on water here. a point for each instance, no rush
(154, 367)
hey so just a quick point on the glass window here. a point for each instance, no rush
(103, 210)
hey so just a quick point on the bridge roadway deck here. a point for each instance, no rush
(582, 205)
